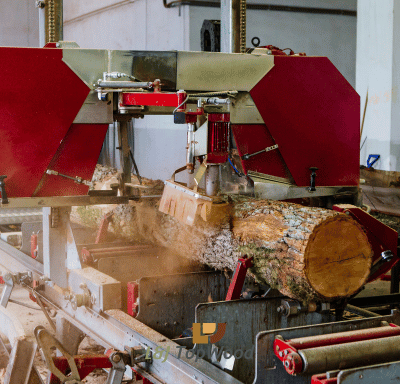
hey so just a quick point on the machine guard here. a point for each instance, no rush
(184, 203)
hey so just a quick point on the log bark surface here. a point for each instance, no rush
(309, 254)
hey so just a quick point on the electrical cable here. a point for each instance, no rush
(180, 105)
(240, 174)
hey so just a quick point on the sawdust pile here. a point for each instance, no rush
(102, 172)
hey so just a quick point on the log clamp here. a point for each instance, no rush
(236, 286)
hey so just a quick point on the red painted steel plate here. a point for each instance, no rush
(39, 99)
(76, 156)
(313, 114)
(251, 138)
(157, 99)
(380, 236)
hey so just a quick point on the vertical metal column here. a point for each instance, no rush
(125, 150)
(230, 26)
(395, 275)
(55, 221)
(50, 21)
(54, 17)
(212, 180)
(243, 20)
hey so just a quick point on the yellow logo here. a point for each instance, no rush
(211, 333)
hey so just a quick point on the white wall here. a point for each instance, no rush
(333, 36)
(129, 24)
(19, 23)
(378, 66)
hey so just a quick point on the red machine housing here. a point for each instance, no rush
(40, 99)
(218, 138)
(313, 114)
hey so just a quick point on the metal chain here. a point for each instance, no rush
(51, 21)
(242, 37)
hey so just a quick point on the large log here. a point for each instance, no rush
(310, 254)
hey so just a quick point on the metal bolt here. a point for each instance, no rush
(7, 276)
(286, 352)
(361, 376)
(286, 364)
(40, 4)
(280, 354)
(116, 358)
(277, 348)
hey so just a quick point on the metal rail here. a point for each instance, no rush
(265, 7)
(115, 329)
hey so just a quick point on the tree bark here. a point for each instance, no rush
(309, 254)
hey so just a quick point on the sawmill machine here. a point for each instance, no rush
(264, 124)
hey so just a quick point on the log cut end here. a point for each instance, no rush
(338, 257)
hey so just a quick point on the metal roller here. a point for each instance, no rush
(350, 355)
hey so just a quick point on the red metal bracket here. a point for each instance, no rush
(103, 228)
(85, 364)
(158, 99)
(34, 245)
(322, 379)
(139, 377)
(380, 236)
(236, 286)
(133, 295)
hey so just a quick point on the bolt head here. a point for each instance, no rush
(116, 358)
(7, 276)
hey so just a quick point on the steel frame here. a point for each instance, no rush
(117, 330)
